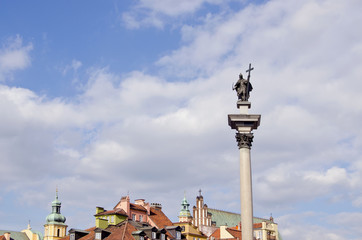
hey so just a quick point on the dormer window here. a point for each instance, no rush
(72, 236)
(142, 238)
(178, 235)
(162, 236)
(98, 236)
(154, 235)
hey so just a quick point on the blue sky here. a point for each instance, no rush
(102, 98)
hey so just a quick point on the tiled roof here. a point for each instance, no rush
(159, 218)
(216, 234)
(122, 231)
(115, 211)
(2, 237)
(137, 207)
(229, 218)
(15, 235)
(234, 232)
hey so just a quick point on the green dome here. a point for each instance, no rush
(185, 212)
(56, 217)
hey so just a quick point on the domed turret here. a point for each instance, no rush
(55, 227)
(185, 215)
(55, 217)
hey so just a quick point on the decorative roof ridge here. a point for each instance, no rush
(222, 211)
(267, 220)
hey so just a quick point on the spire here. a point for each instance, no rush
(185, 215)
(56, 217)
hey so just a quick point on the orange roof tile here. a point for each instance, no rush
(137, 207)
(89, 236)
(115, 211)
(122, 231)
(216, 234)
(159, 218)
(234, 232)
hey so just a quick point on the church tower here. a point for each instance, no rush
(185, 215)
(55, 227)
(201, 215)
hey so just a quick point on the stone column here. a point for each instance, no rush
(244, 123)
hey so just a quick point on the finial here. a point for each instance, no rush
(29, 225)
(200, 192)
(56, 192)
(271, 217)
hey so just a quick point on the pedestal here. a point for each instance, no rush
(244, 123)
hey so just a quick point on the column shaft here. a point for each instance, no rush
(246, 194)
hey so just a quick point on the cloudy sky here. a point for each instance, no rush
(105, 98)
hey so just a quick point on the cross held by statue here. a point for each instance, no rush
(249, 70)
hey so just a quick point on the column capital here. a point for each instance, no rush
(244, 139)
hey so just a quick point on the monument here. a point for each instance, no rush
(244, 123)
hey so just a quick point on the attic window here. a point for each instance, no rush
(72, 236)
(162, 236)
(98, 235)
(178, 235)
(153, 235)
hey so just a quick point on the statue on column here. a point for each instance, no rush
(243, 86)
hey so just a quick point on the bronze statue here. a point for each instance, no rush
(243, 86)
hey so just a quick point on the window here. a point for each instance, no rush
(140, 218)
(142, 238)
(153, 235)
(72, 236)
(133, 217)
(178, 235)
(112, 219)
(58, 232)
(162, 236)
(98, 235)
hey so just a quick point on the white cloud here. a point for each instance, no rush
(14, 56)
(146, 13)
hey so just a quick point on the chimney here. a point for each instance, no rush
(99, 210)
(7, 235)
(224, 233)
(157, 206)
(125, 205)
(139, 202)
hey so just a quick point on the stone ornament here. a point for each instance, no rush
(244, 139)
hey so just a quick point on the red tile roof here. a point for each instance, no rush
(216, 234)
(234, 232)
(88, 230)
(117, 211)
(137, 207)
(122, 231)
(159, 218)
